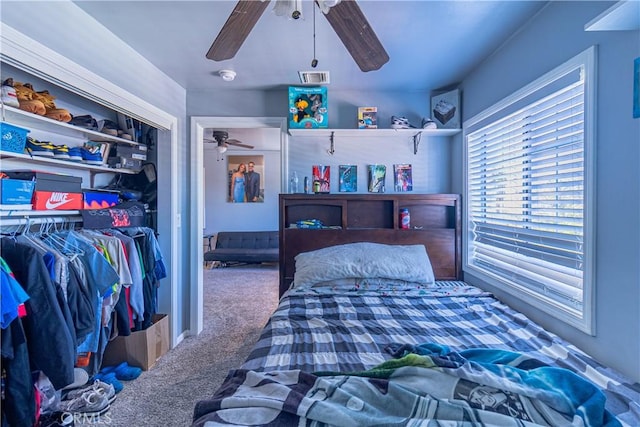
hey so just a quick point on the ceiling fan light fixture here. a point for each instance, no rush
(221, 149)
(227, 75)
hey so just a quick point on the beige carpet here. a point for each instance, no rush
(237, 304)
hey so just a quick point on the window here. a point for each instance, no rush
(529, 190)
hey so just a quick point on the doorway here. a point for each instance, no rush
(198, 127)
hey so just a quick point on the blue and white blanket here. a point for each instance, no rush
(473, 387)
(352, 330)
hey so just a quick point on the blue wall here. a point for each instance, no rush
(554, 36)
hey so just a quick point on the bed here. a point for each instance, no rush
(368, 334)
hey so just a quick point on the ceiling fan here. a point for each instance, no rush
(345, 17)
(221, 137)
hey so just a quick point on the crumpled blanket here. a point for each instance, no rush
(423, 383)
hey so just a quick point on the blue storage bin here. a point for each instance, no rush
(13, 138)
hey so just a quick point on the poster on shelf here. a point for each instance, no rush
(377, 175)
(321, 179)
(348, 178)
(402, 179)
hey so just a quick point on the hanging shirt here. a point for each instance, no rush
(12, 294)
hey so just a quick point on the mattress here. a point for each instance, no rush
(344, 328)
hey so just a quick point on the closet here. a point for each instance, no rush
(104, 293)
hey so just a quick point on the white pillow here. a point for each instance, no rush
(364, 260)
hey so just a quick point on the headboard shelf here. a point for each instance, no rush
(435, 223)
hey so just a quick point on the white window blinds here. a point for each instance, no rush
(526, 192)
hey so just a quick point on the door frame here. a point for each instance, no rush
(198, 126)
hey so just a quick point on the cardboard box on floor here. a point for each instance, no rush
(141, 348)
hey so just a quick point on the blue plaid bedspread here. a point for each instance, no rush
(352, 329)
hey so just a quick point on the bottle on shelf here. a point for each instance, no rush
(294, 182)
(405, 219)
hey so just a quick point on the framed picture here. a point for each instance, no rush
(636, 88)
(245, 174)
(377, 175)
(445, 109)
(402, 179)
(320, 179)
(348, 178)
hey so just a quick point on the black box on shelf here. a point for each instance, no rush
(137, 152)
(46, 181)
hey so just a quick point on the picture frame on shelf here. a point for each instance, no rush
(348, 178)
(321, 179)
(445, 109)
(402, 178)
(377, 175)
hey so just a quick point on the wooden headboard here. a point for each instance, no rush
(435, 223)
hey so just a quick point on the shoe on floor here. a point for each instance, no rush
(123, 371)
(110, 379)
(91, 402)
(80, 378)
(106, 389)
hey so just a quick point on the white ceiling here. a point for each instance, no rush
(432, 44)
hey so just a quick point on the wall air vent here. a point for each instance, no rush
(314, 77)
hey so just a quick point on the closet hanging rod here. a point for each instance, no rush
(26, 219)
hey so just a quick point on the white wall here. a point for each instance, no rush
(431, 173)
(553, 37)
(220, 215)
(429, 167)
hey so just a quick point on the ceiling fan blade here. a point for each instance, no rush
(238, 26)
(238, 143)
(356, 34)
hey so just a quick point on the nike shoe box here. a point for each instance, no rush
(56, 200)
(52, 191)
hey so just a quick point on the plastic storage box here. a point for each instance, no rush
(13, 139)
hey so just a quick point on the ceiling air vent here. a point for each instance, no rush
(314, 77)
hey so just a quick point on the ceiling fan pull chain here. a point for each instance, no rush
(314, 61)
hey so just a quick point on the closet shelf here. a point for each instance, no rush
(65, 163)
(22, 118)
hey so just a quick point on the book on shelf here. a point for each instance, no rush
(321, 182)
(348, 178)
(402, 179)
(377, 175)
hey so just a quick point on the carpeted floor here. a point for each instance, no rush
(237, 304)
